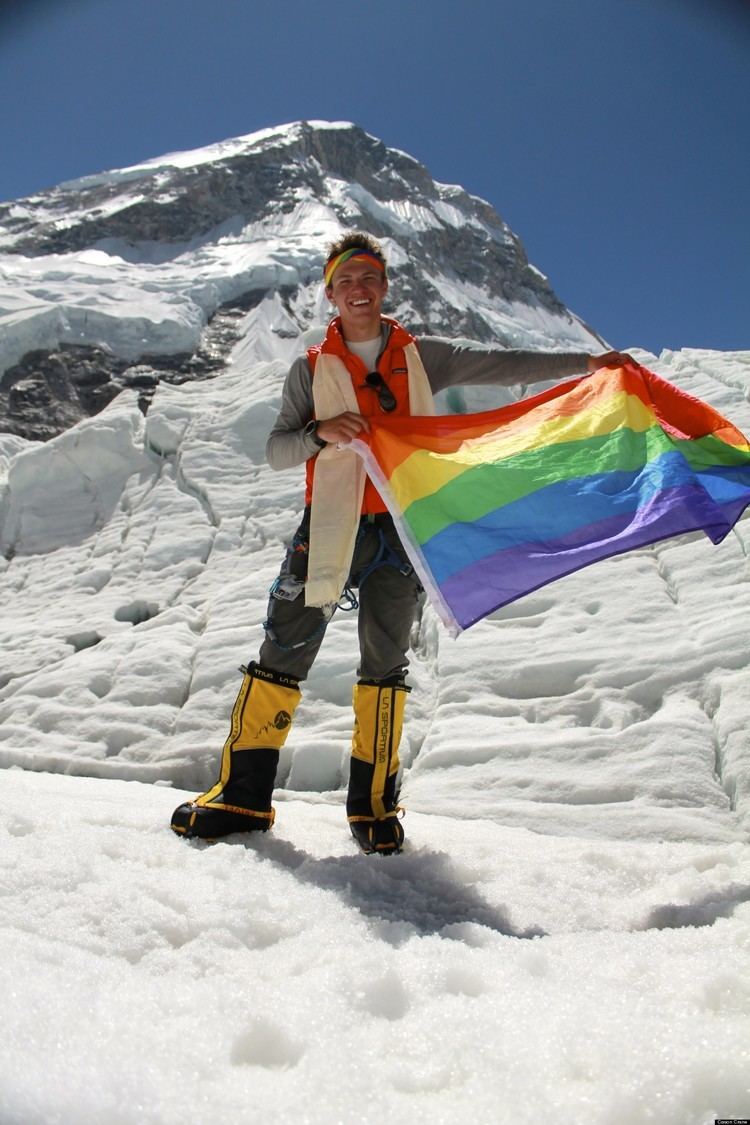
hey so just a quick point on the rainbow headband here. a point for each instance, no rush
(333, 263)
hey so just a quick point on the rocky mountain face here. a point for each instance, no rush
(157, 272)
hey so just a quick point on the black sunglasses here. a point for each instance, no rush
(386, 397)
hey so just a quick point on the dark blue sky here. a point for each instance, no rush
(612, 135)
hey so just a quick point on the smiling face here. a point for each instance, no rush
(357, 290)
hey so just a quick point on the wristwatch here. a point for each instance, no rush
(311, 430)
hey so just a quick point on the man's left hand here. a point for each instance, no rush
(609, 359)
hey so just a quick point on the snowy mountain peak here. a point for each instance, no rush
(138, 263)
(187, 158)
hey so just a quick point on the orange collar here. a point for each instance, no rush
(335, 344)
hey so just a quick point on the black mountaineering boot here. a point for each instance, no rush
(240, 801)
(372, 801)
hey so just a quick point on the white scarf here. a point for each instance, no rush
(339, 481)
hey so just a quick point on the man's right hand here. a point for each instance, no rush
(341, 429)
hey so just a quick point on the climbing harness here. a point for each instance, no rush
(288, 587)
(385, 555)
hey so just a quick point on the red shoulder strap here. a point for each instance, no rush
(312, 357)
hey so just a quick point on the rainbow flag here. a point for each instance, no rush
(492, 506)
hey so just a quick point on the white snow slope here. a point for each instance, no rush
(567, 935)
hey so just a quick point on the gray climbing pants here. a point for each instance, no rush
(389, 596)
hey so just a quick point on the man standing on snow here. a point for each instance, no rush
(367, 364)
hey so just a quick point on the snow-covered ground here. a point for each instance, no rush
(489, 973)
(567, 935)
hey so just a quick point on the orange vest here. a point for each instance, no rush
(391, 365)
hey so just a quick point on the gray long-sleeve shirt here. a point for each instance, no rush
(447, 363)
